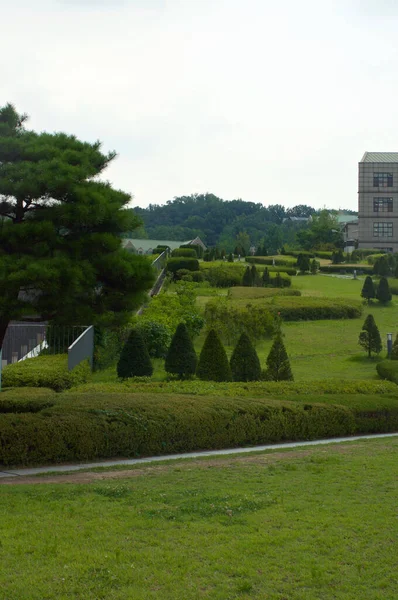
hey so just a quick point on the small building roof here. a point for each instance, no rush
(380, 157)
(343, 218)
(146, 245)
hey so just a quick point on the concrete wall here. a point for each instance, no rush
(366, 214)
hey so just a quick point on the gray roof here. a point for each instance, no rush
(380, 157)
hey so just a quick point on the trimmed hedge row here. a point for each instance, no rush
(367, 269)
(45, 372)
(88, 426)
(264, 260)
(181, 262)
(15, 400)
(311, 309)
(249, 293)
(388, 369)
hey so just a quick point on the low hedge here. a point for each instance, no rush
(366, 269)
(388, 369)
(45, 371)
(186, 252)
(265, 260)
(100, 426)
(17, 400)
(305, 308)
(323, 254)
(260, 292)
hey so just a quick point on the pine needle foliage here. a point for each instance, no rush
(213, 362)
(134, 359)
(245, 364)
(383, 293)
(368, 290)
(247, 280)
(181, 358)
(369, 338)
(278, 361)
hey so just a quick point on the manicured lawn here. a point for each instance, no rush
(307, 524)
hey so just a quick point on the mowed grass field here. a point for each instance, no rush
(305, 524)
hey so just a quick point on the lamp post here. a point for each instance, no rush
(389, 344)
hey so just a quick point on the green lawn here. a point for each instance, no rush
(308, 524)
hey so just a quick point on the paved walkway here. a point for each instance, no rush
(138, 461)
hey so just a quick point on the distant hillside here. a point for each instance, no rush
(223, 223)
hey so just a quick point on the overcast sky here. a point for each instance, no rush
(271, 101)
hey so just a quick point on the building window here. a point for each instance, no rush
(382, 180)
(382, 204)
(382, 230)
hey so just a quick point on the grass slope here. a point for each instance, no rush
(313, 523)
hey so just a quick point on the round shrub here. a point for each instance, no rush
(134, 359)
(177, 263)
(186, 252)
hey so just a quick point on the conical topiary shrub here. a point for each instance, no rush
(245, 364)
(247, 279)
(369, 338)
(181, 358)
(213, 363)
(134, 359)
(278, 362)
(368, 290)
(266, 277)
(383, 293)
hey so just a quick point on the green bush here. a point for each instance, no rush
(21, 400)
(213, 363)
(266, 260)
(324, 254)
(383, 293)
(393, 283)
(366, 269)
(260, 292)
(224, 276)
(177, 263)
(311, 309)
(50, 371)
(101, 426)
(278, 365)
(388, 369)
(245, 364)
(185, 252)
(108, 344)
(134, 359)
(157, 337)
(181, 358)
(230, 321)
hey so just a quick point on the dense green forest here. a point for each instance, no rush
(228, 224)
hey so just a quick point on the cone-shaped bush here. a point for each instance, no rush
(181, 358)
(213, 362)
(134, 359)
(266, 277)
(245, 364)
(394, 350)
(278, 362)
(369, 338)
(247, 280)
(368, 290)
(383, 293)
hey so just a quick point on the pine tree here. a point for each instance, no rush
(256, 279)
(181, 358)
(383, 293)
(369, 338)
(303, 263)
(245, 364)
(278, 361)
(134, 359)
(368, 290)
(266, 277)
(213, 362)
(247, 280)
(61, 255)
(230, 257)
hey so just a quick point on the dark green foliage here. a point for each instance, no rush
(368, 290)
(213, 363)
(108, 344)
(262, 260)
(245, 364)
(394, 350)
(68, 251)
(278, 366)
(366, 269)
(388, 369)
(230, 258)
(338, 257)
(224, 276)
(266, 277)
(45, 371)
(382, 267)
(383, 293)
(314, 267)
(303, 262)
(369, 338)
(181, 358)
(134, 359)
(231, 321)
(156, 336)
(177, 263)
(185, 252)
(256, 278)
(247, 279)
